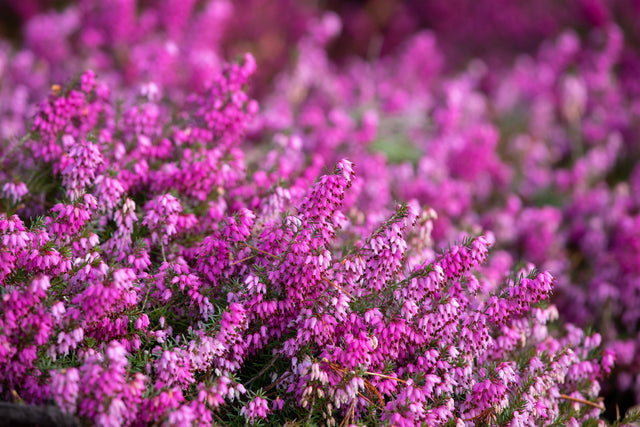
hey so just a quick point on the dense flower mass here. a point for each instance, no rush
(394, 240)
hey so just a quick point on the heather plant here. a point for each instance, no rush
(177, 45)
(542, 154)
(132, 298)
(174, 254)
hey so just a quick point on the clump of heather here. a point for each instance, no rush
(156, 271)
(177, 46)
(541, 152)
(164, 233)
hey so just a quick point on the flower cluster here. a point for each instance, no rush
(354, 325)
(541, 153)
(178, 250)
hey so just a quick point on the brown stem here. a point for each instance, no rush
(482, 415)
(583, 401)
(337, 287)
(260, 250)
(385, 376)
(259, 374)
(278, 381)
(242, 260)
(345, 420)
(371, 402)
